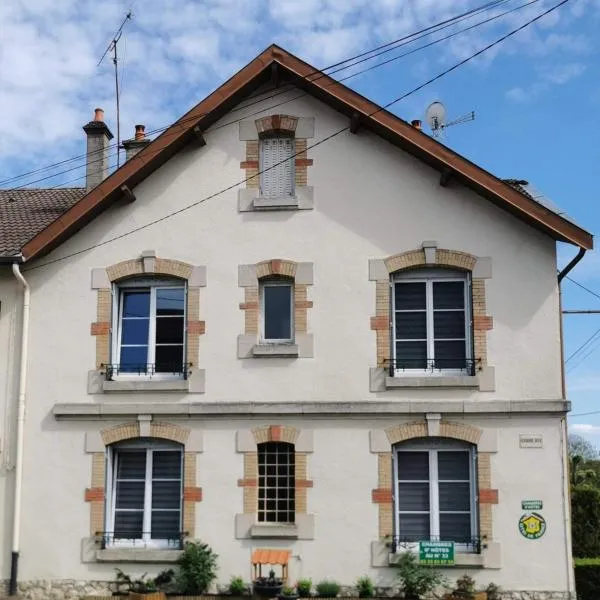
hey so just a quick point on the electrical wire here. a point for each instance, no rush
(320, 72)
(583, 287)
(314, 145)
(581, 348)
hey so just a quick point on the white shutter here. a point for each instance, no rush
(276, 167)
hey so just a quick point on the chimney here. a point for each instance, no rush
(416, 123)
(133, 146)
(98, 135)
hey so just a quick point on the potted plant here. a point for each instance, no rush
(328, 589)
(268, 587)
(288, 593)
(197, 568)
(416, 580)
(303, 587)
(144, 588)
(493, 592)
(365, 587)
(465, 590)
(237, 587)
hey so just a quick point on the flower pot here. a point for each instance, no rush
(266, 591)
(293, 597)
(147, 596)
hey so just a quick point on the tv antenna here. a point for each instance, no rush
(112, 47)
(435, 115)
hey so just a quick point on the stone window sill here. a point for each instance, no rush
(264, 530)
(441, 381)
(194, 384)
(285, 203)
(250, 201)
(142, 555)
(275, 350)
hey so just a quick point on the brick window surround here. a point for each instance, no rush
(148, 264)
(382, 442)
(246, 523)
(95, 445)
(251, 131)
(429, 255)
(249, 277)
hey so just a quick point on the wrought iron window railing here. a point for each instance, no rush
(142, 539)
(467, 366)
(469, 544)
(148, 370)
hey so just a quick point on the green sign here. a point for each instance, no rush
(532, 525)
(532, 504)
(436, 553)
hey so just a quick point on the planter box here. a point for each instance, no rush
(267, 591)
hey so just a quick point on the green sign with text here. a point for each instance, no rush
(436, 553)
(532, 504)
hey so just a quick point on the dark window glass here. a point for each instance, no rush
(413, 496)
(411, 355)
(169, 330)
(135, 331)
(449, 324)
(410, 296)
(448, 294)
(453, 465)
(165, 524)
(455, 527)
(276, 493)
(131, 464)
(277, 312)
(455, 496)
(411, 325)
(450, 355)
(128, 525)
(413, 466)
(136, 303)
(166, 464)
(170, 301)
(134, 359)
(413, 528)
(169, 359)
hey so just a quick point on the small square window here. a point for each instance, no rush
(277, 311)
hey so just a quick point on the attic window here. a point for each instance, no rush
(277, 171)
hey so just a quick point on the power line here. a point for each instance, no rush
(52, 176)
(580, 348)
(314, 145)
(583, 287)
(320, 72)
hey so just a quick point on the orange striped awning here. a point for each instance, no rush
(270, 557)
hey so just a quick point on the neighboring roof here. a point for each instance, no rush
(275, 64)
(26, 212)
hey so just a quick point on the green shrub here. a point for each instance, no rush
(587, 579)
(585, 508)
(416, 580)
(197, 568)
(493, 591)
(143, 584)
(237, 587)
(328, 589)
(365, 587)
(287, 592)
(304, 586)
(587, 562)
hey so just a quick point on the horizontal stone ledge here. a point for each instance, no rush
(99, 410)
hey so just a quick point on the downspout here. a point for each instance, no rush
(562, 274)
(14, 561)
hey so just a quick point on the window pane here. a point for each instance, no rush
(136, 303)
(169, 330)
(456, 528)
(413, 528)
(165, 524)
(131, 465)
(413, 466)
(449, 324)
(170, 301)
(130, 494)
(411, 325)
(409, 296)
(453, 465)
(133, 359)
(169, 359)
(455, 496)
(411, 355)
(166, 494)
(128, 524)
(448, 294)
(450, 355)
(413, 496)
(278, 312)
(134, 331)
(166, 464)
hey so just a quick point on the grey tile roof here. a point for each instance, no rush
(27, 211)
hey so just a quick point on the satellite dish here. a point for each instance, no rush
(435, 115)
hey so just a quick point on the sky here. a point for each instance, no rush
(534, 96)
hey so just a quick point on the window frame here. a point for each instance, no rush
(276, 282)
(432, 447)
(146, 541)
(275, 170)
(153, 284)
(291, 489)
(429, 276)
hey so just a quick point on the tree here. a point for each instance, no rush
(579, 446)
(585, 514)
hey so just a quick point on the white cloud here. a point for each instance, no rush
(585, 383)
(584, 428)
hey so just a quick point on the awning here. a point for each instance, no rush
(270, 557)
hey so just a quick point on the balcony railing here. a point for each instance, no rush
(141, 539)
(468, 544)
(464, 366)
(147, 370)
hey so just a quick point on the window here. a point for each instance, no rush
(150, 330)
(276, 482)
(144, 491)
(277, 170)
(276, 310)
(431, 327)
(435, 496)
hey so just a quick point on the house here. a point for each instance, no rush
(292, 321)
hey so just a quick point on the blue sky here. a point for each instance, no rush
(536, 97)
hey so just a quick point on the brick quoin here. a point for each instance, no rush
(100, 328)
(381, 496)
(247, 483)
(483, 323)
(487, 496)
(94, 494)
(304, 162)
(304, 483)
(198, 327)
(379, 323)
(193, 494)
(249, 164)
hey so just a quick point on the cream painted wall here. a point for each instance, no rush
(371, 201)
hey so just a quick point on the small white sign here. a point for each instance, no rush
(531, 440)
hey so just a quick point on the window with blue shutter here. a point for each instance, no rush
(277, 171)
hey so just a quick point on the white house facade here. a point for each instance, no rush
(355, 349)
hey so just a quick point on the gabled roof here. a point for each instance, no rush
(277, 64)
